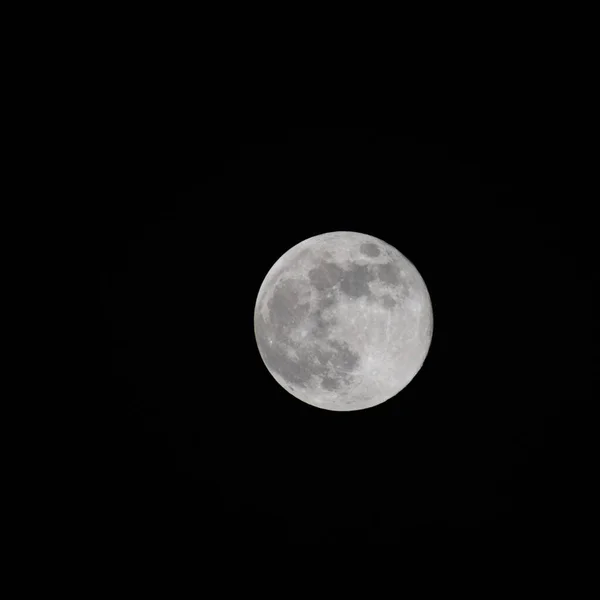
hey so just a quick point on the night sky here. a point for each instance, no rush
(200, 440)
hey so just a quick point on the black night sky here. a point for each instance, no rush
(201, 440)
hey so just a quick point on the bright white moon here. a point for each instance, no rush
(343, 321)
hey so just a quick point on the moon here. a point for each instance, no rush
(343, 321)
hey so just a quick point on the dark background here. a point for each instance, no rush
(201, 442)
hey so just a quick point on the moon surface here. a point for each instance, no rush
(343, 321)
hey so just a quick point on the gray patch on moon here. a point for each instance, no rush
(388, 301)
(284, 308)
(344, 358)
(326, 301)
(355, 282)
(324, 276)
(370, 249)
(429, 330)
(330, 384)
(321, 355)
(388, 273)
(321, 326)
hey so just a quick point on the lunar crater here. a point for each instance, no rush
(370, 249)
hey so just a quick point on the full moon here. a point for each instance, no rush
(343, 321)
